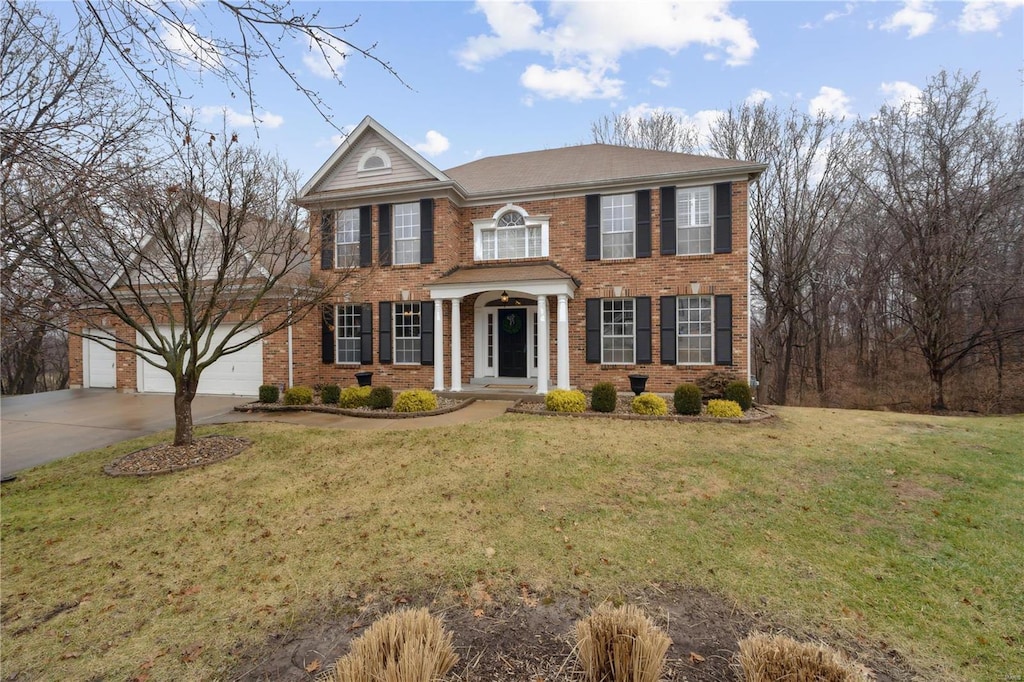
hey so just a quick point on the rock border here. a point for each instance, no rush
(364, 414)
(755, 415)
(113, 470)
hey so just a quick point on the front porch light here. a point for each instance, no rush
(504, 297)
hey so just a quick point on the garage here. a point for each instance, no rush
(99, 362)
(239, 373)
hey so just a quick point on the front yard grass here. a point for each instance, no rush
(858, 525)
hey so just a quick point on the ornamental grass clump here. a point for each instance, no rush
(687, 399)
(650, 404)
(620, 645)
(724, 408)
(329, 394)
(354, 397)
(405, 646)
(381, 398)
(416, 400)
(740, 392)
(269, 393)
(768, 658)
(298, 395)
(564, 400)
(604, 397)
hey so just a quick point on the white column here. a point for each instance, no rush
(543, 349)
(438, 344)
(456, 345)
(563, 341)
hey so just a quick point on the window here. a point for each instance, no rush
(407, 234)
(346, 239)
(617, 331)
(693, 220)
(694, 329)
(511, 238)
(407, 333)
(374, 162)
(348, 328)
(618, 220)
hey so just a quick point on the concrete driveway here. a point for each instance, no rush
(39, 428)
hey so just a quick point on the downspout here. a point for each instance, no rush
(291, 364)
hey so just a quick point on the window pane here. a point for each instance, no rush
(407, 233)
(693, 220)
(347, 330)
(407, 333)
(618, 219)
(617, 331)
(694, 328)
(346, 238)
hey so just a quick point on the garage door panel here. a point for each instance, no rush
(239, 373)
(102, 361)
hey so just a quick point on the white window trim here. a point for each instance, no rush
(620, 364)
(394, 234)
(712, 333)
(711, 219)
(480, 225)
(374, 152)
(632, 255)
(339, 217)
(395, 316)
(337, 334)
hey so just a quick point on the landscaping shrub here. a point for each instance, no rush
(329, 394)
(740, 392)
(649, 403)
(354, 396)
(620, 645)
(416, 400)
(405, 646)
(713, 384)
(604, 397)
(298, 395)
(269, 394)
(767, 658)
(563, 400)
(382, 398)
(724, 408)
(687, 399)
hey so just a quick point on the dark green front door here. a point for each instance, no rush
(512, 343)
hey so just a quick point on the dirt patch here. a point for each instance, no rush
(165, 458)
(529, 638)
(912, 491)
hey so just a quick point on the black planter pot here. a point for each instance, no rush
(637, 383)
(364, 378)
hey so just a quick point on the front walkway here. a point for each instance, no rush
(480, 410)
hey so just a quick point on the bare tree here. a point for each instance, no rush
(659, 130)
(196, 259)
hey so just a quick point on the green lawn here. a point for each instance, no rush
(902, 528)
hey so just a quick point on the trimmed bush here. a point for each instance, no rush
(620, 645)
(724, 408)
(404, 646)
(604, 397)
(713, 384)
(269, 394)
(649, 403)
(329, 394)
(354, 396)
(298, 395)
(687, 399)
(562, 400)
(381, 398)
(416, 400)
(767, 658)
(740, 392)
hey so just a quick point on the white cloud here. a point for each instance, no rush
(832, 102)
(757, 95)
(662, 78)
(435, 144)
(235, 119)
(986, 15)
(699, 122)
(586, 39)
(191, 48)
(831, 16)
(325, 58)
(898, 93)
(916, 16)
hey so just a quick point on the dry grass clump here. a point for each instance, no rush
(768, 658)
(404, 646)
(620, 645)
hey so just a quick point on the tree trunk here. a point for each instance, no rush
(938, 393)
(183, 395)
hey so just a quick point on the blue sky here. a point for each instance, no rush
(496, 78)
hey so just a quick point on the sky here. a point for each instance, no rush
(489, 78)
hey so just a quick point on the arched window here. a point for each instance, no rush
(375, 161)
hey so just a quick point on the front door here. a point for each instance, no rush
(512, 343)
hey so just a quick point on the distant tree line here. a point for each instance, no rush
(887, 252)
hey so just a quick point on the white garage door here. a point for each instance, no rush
(240, 373)
(99, 362)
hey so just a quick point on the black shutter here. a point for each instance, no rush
(668, 223)
(669, 350)
(723, 217)
(592, 225)
(427, 231)
(365, 237)
(643, 223)
(427, 333)
(384, 350)
(327, 338)
(366, 334)
(384, 234)
(327, 240)
(593, 330)
(642, 318)
(723, 330)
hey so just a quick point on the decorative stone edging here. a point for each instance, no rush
(113, 470)
(365, 414)
(761, 415)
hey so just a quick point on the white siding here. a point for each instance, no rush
(346, 175)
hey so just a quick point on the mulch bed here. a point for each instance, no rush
(444, 406)
(165, 458)
(624, 410)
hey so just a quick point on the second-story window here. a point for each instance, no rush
(693, 220)
(346, 239)
(511, 238)
(618, 225)
(407, 234)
